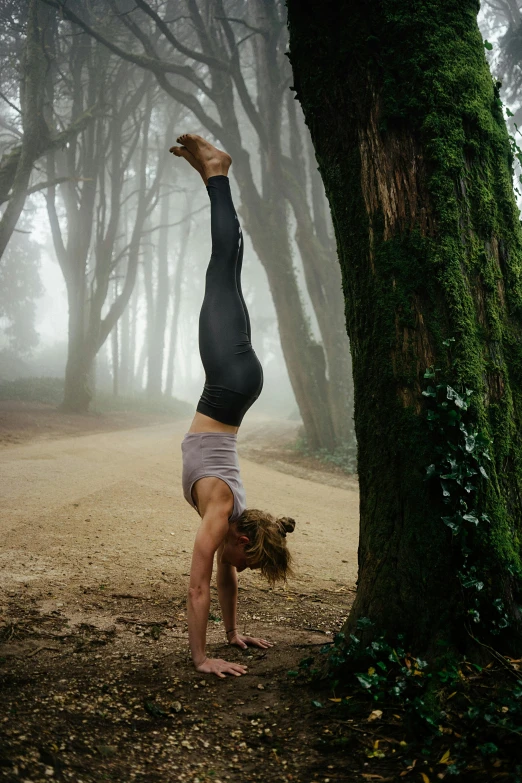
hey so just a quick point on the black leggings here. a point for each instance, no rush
(234, 376)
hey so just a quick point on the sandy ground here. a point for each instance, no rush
(108, 507)
(96, 545)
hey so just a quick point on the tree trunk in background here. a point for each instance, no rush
(323, 279)
(175, 286)
(115, 351)
(140, 369)
(161, 303)
(413, 150)
(132, 339)
(125, 349)
(148, 285)
(267, 225)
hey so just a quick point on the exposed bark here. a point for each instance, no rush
(413, 151)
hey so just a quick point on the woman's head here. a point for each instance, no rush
(266, 548)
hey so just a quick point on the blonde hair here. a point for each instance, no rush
(267, 548)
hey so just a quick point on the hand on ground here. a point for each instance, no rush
(221, 668)
(249, 641)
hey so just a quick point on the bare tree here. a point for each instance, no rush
(95, 165)
(17, 164)
(216, 76)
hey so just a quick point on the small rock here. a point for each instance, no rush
(176, 706)
(260, 687)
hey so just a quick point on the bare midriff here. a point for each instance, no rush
(202, 423)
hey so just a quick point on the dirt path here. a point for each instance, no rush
(96, 543)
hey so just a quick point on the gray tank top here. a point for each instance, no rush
(212, 454)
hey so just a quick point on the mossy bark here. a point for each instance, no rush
(412, 146)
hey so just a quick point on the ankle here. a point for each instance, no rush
(215, 169)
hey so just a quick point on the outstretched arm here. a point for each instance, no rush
(227, 592)
(211, 533)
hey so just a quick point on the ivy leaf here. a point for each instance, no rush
(488, 748)
(488, 45)
(430, 471)
(509, 112)
(429, 392)
(470, 443)
(459, 401)
(450, 522)
(316, 703)
(471, 518)
(483, 472)
(365, 680)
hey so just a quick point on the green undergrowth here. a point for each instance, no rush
(50, 391)
(448, 716)
(440, 719)
(344, 456)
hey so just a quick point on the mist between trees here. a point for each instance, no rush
(93, 96)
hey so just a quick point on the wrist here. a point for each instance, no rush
(232, 630)
(199, 663)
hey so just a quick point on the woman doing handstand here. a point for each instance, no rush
(242, 538)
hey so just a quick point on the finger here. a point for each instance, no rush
(261, 643)
(220, 675)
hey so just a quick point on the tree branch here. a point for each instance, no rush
(212, 62)
(144, 61)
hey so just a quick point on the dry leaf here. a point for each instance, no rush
(425, 778)
(445, 758)
(375, 715)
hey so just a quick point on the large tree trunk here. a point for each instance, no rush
(413, 150)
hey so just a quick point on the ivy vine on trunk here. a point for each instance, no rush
(412, 146)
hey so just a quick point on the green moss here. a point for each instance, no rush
(423, 65)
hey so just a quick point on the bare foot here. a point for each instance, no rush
(212, 160)
(183, 152)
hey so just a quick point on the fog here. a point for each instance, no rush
(105, 281)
